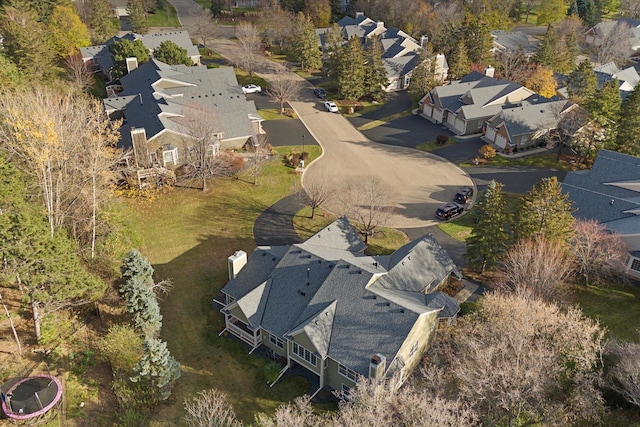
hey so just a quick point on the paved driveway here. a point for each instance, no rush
(407, 132)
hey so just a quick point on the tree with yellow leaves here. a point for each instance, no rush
(542, 81)
(67, 31)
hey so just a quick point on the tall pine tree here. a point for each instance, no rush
(305, 43)
(137, 17)
(375, 76)
(582, 83)
(489, 239)
(101, 22)
(545, 210)
(459, 64)
(351, 70)
(157, 370)
(628, 132)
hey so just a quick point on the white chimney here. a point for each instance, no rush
(489, 71)
(379, 24)
(423, 41)
(236, 262)
(132, 63)
(377, 365)
(359, 15)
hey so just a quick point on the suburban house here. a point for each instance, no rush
(524, 124)
(511, 41)
(156, 98)
(401, 52)
(627, 78)
(102, 61)
(466, 104)
(598, 33)
(340, 314)
(610, 194)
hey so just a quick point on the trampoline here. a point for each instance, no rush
(30, 397)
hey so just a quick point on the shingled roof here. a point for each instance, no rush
(348, 304)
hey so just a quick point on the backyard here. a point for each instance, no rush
(188, 235)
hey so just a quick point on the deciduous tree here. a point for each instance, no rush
(615, 46)
(121, 347)
(79, 72)
(203, 27)
(319, 11)
(551, 11)
(542, 81)
(368, 202)
(489, 238)
(513, 65)
(67, 32)
(210, 408)
(316, 193)
(248, 38)
(283, 89)
(624, 374)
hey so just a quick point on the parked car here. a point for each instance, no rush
(251, 89)
(449, 210)
(320, 93)
(464, 194)
(331, 106)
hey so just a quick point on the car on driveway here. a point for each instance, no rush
(464, 195)
(320, 93)
(449, 210)
(251, 89)
(330, 106)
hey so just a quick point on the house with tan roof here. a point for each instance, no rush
(327, 307)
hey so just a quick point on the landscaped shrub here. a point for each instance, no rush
(442, 139)
(271, 371)
(487, 151)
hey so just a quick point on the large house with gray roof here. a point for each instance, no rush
(466, 104)
(157, 97)
(597, 34)
(511, 41)
(610, 194)
(324, 305)
(101, 58)
(400, 51)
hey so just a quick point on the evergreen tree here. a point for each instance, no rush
(333, 42)
(101, 21)
(489, 239)
(375, 76)
(545, 210)
(477, 37)
(305, 43)
(351, 70)
(459, 64)
(172, 54)
(547, 52)
(423, 76)
(124, 49)
(137, 17)
(10, 76)
(604, 105)
(628, 130)
(582, 83)
(590, 11)
(157, 370)
(137, 290)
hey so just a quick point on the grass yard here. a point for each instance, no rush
(188, 235)
(165, 16)
(433, 145)
(616, 306)
(272, 114)
(546, 160)
(243, 79)
(384, 242)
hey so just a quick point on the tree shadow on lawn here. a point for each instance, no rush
(191, 324)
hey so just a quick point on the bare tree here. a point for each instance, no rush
(615, 46)
(250, 44)
(520, 357)
(201, 128)
(514, 65)
(210, 408)
(598, 254)
(203, 27)
(535, 268)
(316, 193)
(79, 72)
(630, 8)
(13, 327)
(261, 152)
(368, 202)
(282, 89)
(276, 25)
(624, 373)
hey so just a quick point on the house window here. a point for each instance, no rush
(414, 350)
(346, 391)
(305, 354)
(348, 373)
(154, 158)
(277, 341)
(213, 149)
(479, 124)
(170, 156)
(635, 264)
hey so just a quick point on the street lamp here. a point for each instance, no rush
(302, 145)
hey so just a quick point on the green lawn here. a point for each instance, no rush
(165, 16)
(545, 160)
(384, 242)
(188, 236)
(272, 114)
(617, 307)
(433, 145)
(243, 79)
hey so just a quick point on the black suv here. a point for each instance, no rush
(464, 194)
(320, 93)
(449, 210)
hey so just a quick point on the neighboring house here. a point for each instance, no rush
(524, 124)
(511, 41)
(157, 96)
(338, 313)
(102, 61)
(596, 34)
(627, 78)
(466, 104)
(610, 194)
(401, 52)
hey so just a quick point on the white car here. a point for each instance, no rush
(251, 89)
(330, 106)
